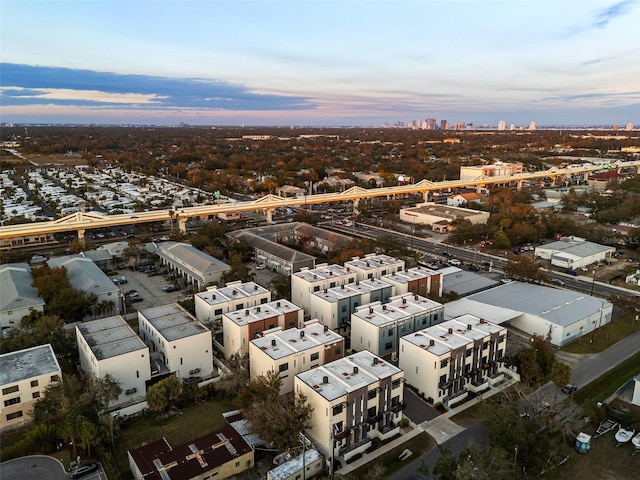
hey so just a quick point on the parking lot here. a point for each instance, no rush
(148, 288)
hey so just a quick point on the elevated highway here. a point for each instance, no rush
(81, 222)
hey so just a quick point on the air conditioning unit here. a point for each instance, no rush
(194, 371)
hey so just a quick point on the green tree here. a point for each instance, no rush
(233, 382)
(281, 284)
(164, 393)
(526, 268)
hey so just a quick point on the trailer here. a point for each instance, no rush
(605, 426)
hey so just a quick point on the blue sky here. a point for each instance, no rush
(330, 62)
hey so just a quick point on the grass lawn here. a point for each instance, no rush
(605, 336)
(470, 416)
(418, 445)
(188, 424)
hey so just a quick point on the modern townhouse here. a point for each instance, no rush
(324, 276)
(374, 265)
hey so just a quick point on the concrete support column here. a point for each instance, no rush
(425, 196)
(81, 235)
(182, 224)
(519, 185)
(269, 215)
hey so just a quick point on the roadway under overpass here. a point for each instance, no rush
(81, 222)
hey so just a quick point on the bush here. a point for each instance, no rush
(354, 458)
(403, 423)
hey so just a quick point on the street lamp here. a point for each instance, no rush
(593, 282)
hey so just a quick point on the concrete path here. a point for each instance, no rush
(441, 429)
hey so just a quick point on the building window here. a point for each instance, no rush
(469, 352)
(256, 332)
(388, 345)
(337, 410)
(485, 345)
(371, 394)
(263, 300)
(332, 284)
(12, 401)
(370, 276)
(316, 288)
(13, 415)
(34, 383)
(338, 426)
(501, 339)
(371, 412)
(499, 354)
(395, 384)
(283, 367)
(443, 379)
(240, 306)
(6, 391)
(218, 311)
(444, 363)
(35, 395)
(338, 350)
(315, 356)
(403, 328)
(395, 401)
(390, 332)
(344, 308)
(237, 464)
(55, 378)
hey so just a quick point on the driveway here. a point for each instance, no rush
(149, 288)
(33, 468)
(417, 410)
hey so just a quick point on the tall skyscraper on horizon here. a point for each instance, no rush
(629, 127)
(502, 125)
(532, 125)
(444, 125)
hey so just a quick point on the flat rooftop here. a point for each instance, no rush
(350, 290)
(323, 272)
(283, 343)
(452, 334)
(373, 261)
(233, 292)
(398, 308)
(276, 308)
(27, 363)
(341, 377)
(172, 321)
(443, 211)
(110, 337)
(410, 275)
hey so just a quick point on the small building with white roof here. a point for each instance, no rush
(324, 276)
(354, 399)
(573, 252)
(333, 306)
(374, 265)
(311, 461)
(17, 297)
(241, 326)
(193, 266)
(294, 350)
(376, 327)
(25, 376)
(109, 346)
(211, 304)
(178, 341)
(445, 362)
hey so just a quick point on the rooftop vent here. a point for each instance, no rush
(375, 360)
(325, 380)
(273, 342)
(235, 292)
(326, 328)
(246, 312)
(278, 304)
(370, 310)
(213, 296)
(432, 343)
(450, 330)
(255, 287)
(384, 307)
(301, 333)
(469, 327)
(404, 300)
(355, 370)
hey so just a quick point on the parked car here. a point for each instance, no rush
(474, 268)
(454, 262)
(557, 281)
(169, 288)
(569, 388)
(261, 266)
(119, 280)
(131, 294)
(83, 470)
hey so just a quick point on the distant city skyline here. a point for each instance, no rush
(321, 63)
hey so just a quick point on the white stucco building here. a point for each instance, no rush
(24, 378)
(354, 399)
(195, 267)
(214, 302)
(241, 326)
(294, 350)
(374, 265)
(109, 346)
(377, 327)
(446, 361)
(324, 276)
(17, 297)
(181, 343)
(573, 252)
(333, 306)
(418, 280)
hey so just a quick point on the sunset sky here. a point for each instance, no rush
(330, 62)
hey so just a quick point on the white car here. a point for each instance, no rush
(262, 266)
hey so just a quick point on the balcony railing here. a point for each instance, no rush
(398, 408)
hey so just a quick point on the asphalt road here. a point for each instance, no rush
(474, 435)
(417, 410)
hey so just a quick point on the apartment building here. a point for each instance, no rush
(241, 326)
(17, 297)
(354, 399)
(498, 169)
(214, 302)
(191, 265)
(333, 306)
(292, 351)
(376, 327)
(445, 362)
(374, 265)
(419, 281)
(324, 276)
(109, 346)
(177, 341)
(25, 376)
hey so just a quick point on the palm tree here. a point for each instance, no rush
(171, 215)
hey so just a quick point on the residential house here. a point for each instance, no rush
(17, 297)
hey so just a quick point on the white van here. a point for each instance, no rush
(454, 262)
